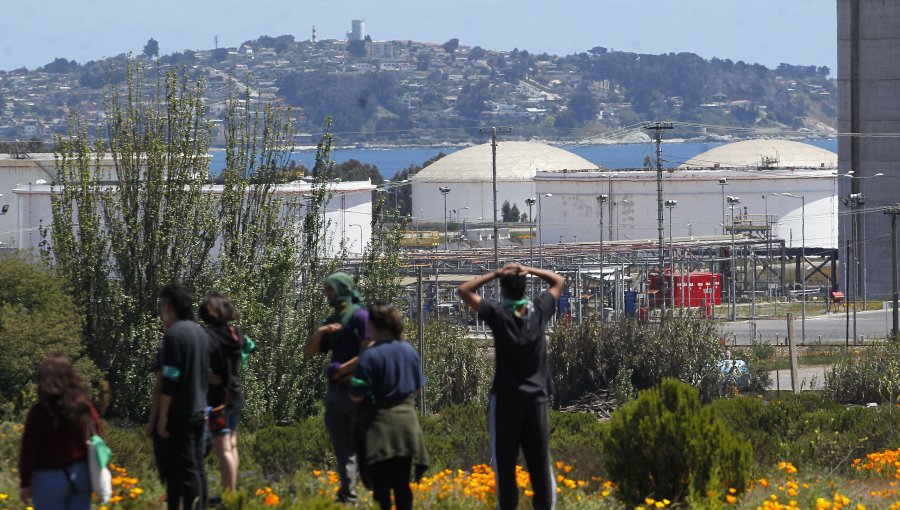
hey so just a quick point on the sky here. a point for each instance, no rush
(769, 32)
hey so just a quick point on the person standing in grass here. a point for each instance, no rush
(391, 444)
(181, 414)
(517, 409)
(343, 334)
(225, 393)
(53, 467)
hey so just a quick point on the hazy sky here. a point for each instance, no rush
(766, 31)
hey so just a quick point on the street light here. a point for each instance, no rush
(859, 230)
(802, 256)
(530, 201)
(540, 229)
(671, 204)
(361, 246)
(601, 200)
(732, 201)
(723, 182)
(444, 191)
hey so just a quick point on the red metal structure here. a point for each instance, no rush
(693, 289)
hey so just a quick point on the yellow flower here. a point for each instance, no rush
(730, 499)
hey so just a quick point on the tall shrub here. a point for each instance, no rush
(628, 354)
(666, 444)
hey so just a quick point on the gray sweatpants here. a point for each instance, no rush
(340, 420)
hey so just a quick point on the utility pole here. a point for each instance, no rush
(894, 211)
(494, 131)
(421, 320)
(854, 201)
(530, 203)
(657, 128)
(444, 191)
(601, 199)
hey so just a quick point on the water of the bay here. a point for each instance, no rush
(390, 161)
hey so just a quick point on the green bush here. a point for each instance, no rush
(666, 444)
(809, 430)
(37, 318)
(865, 375)
(577, 440)
(457, 437)
(280, 451)
(457, 370)
(601, 355)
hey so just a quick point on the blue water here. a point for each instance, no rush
(391, 161)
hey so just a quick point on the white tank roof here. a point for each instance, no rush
(516, 161)
(764, 154)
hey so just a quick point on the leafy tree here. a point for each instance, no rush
(61, 66)
(151, 49)
(505, 210)
(357, 48)
(353, 170)
(514, 214)
(477, 53)
(451, 45)
(219, 54)
(401, 193)
(258, 245)
(37, 318)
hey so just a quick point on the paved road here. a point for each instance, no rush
(827, 328)
(811, 378)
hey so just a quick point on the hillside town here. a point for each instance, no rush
(409, 92)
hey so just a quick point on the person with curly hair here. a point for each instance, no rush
(53, 467)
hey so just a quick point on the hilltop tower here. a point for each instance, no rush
(313, 39)
(357, 30)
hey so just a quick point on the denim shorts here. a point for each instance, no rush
(232, 418)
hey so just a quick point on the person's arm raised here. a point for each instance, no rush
(556, 281)
(468, 291)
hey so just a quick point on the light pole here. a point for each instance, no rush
(802, 256)
(615, 219)
(611, 202)
(444, 191)
(361, 245)
(723, 182)
(859, 246)
(601, 201)
(670, 205)
(732, 201)
(540, 230)
(530, 201)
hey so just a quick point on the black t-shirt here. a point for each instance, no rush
(521, 348)
(226, 344)
(185, 367)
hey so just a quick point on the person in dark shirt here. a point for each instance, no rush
(225, 394)
(53, 468)
(517, 410)
(181, 416)
(343, 333)
(387, 376)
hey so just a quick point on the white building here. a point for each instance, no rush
(348, 214)
(468, 173)
(15, 172)
(753, 171)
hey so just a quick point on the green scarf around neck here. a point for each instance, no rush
(348, 299)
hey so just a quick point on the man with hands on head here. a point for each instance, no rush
(517, 409)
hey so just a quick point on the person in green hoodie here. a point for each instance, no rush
(342, 334)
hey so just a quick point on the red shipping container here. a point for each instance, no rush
(691, 289)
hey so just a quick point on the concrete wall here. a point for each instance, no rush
(631, 212)
(869, 85)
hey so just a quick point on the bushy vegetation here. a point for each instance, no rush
(669, 445)
(814, 432)
(625, 356)
(866, 375)
(37, 318)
